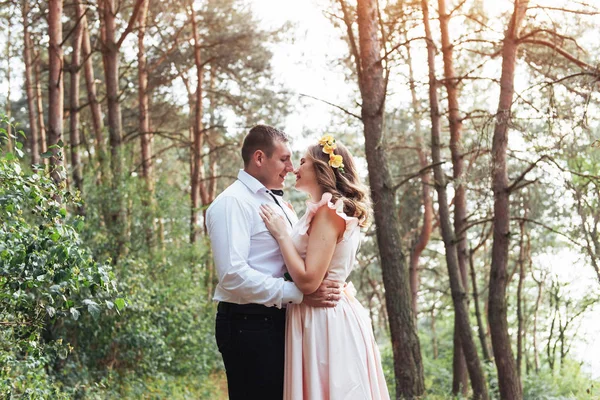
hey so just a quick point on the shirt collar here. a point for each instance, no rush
(251, 182)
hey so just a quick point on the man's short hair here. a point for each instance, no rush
(261, 137)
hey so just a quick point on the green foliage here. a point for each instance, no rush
(47, 277)
(70, 330)
(568, 383)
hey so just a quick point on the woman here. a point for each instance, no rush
(330, 352)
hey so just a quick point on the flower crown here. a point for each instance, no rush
(335, 160)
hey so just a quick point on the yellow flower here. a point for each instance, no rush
(329, 148)
(336, 161)
(327, 140)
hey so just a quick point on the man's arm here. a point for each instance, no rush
(229, 228)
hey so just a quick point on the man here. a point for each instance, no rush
(252, 291)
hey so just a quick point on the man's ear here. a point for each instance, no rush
(259, 157)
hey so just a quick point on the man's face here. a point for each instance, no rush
(275, 168)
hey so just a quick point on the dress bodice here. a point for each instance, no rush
(344, 255)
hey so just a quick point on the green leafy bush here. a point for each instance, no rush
(47, 277)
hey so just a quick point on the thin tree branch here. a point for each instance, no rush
(416, 174)
(565, 10)
(132, 19)
(562, 52)
(351, 39)
(462, 3)
(522, 176)
(333, 105)
(547, 228)
(396, 47)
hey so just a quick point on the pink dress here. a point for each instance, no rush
(330, 353)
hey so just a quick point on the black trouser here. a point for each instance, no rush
(251, 339)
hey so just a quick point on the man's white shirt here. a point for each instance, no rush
(247, 257)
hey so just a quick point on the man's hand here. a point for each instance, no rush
(327, 295)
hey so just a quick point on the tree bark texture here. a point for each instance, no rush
(459, 296)
(481, 331)
(427, 226)
(55, 86)
(199, 192)
(110, 58)
(40, 105)
(510, 385)
(520, 300)
(29, 83)
(538, 300)
(8, 110)
(459, 381)
(143, 98)
(408, 365)
(74, 136)
(95, 107)
(144, 126)
(110, 61)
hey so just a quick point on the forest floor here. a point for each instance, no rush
(220, 381)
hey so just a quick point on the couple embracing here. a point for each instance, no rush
(287, 325)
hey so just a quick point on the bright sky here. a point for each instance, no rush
(306, 63)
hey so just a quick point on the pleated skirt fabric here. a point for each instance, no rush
(331, 354)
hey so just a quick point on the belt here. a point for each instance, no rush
(255, 309)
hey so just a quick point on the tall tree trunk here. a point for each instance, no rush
(538, 300)
(8, 110)
(510, 385)
(459, 381)
(459, 296)
(212, 171)
(95, 107)
(478, 314)
(39, 105)
(408, 366)
(212, 140)
(33, 122)
(55, 84)
(110, 58)
(434, 340)
(199, 192)
(144, 126)
(74, 135)
(520, 321)
(427, 227)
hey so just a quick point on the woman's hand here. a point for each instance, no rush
(274, 222)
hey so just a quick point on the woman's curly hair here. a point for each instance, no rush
(344, 185)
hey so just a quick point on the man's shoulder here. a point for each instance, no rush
(236, 192)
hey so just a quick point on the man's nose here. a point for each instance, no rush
(290, 167)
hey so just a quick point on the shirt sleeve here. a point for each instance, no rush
(229, 227)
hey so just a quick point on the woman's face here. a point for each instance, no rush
(306, 178)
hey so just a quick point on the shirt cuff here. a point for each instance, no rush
(291, 294)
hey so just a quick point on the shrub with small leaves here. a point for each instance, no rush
(46, 274)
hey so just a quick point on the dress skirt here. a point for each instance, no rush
(331, 353)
